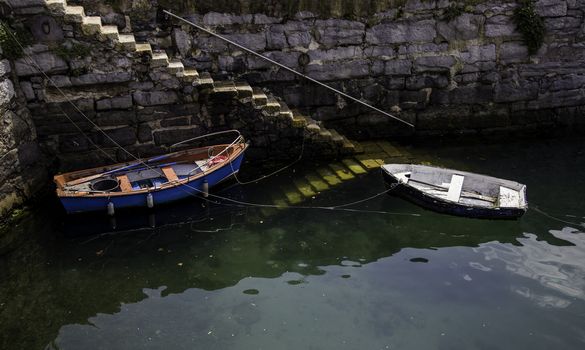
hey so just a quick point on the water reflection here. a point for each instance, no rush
(558, 268)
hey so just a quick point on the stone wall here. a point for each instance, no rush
(472, 74)
(22, 170)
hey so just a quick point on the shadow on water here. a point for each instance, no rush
(58, 270)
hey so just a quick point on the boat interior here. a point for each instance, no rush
(146, 175)
(460, 187)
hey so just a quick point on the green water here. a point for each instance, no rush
(240, 278)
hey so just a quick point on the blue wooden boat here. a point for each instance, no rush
(150, 182)
(457, 192)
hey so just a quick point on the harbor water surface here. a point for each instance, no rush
(382, 274)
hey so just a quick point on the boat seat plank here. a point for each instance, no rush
(170, 174)
(125, 185)
(509, 198)
(455, 187)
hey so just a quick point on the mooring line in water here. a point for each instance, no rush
(536, 209)
(340, 207)
(288, 68)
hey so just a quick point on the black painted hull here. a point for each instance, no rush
(446, 207)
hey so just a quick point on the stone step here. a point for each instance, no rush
(205, 81)
(316, 182)
(304, 188)
(159, 59)
(285, 112)
(56, 7)
(348, 146)
(91, 25)
(259, 98)
(245, 91)
(190, 74)
(329, 176)
(389, 149)
(74, 14)
(325, 134)
(299, 121)
(353, 166)
(143, 48)
(111, 33)
(312, 126)
(336, 137)
(341, 171)
(292, 195)
(176, 67)
(127, 42)
(224, 89)
(272, 107)
(370, 161)
(280, 202)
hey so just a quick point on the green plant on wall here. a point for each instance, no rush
(530, 25)
(452, 12)
(12, 39)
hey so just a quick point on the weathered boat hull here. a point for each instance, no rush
(77, 204)
(446, 207)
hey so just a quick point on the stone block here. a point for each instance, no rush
(48, 62)
(341, 53)
(182, 41)
(115, 118)
(27, 90)
(409, 49)
(335, 32)
(275, 38)
(155, 98)
(464, 27)
(101, 78)
(217, 19)
(339, 70)
(144, 133)
(511, 91)
(178, 121)
(252, 41)
(398, 67)
(7, 93)
(298, 34)
(4, 68)
(479, 54)
(551, 8)
(500, 26)
(171, 136)
(122, 136)
(289, 59)
(418, 82)
(123, 102)
(434, 63)
(401, 32)
(513, 52)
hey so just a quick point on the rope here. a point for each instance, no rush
(536, 209)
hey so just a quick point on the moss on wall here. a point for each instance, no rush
(349, 9)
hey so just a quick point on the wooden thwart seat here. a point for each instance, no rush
(455, 187)
(509, 198)
(125, 185)
(170, 174)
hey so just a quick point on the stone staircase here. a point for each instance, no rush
(308, 185)
(266, 103)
